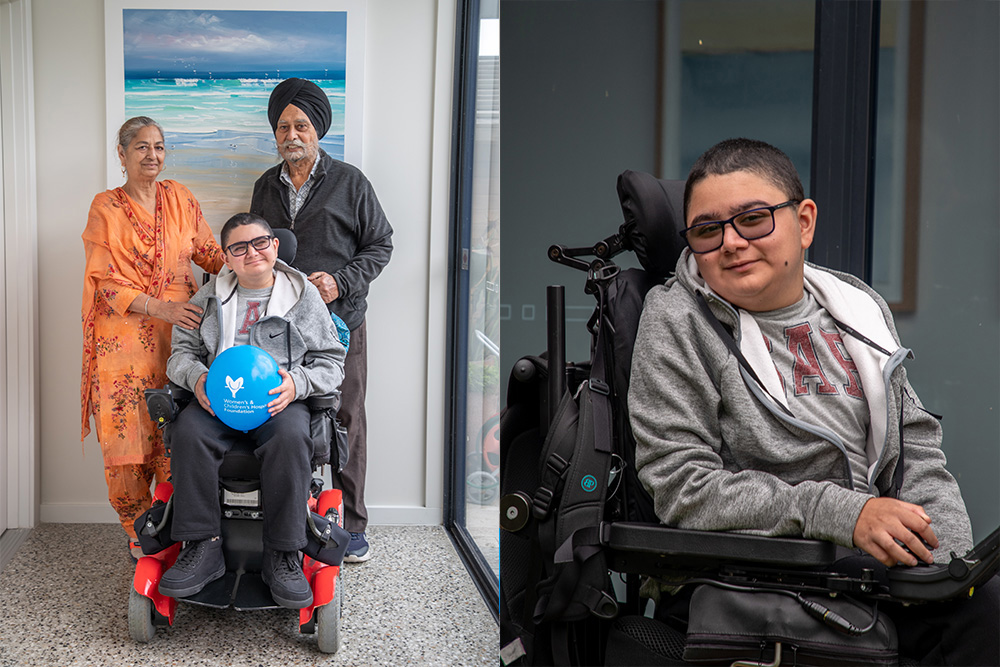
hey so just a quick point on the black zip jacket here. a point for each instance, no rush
(341, 229)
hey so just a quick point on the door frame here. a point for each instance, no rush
(19, 365)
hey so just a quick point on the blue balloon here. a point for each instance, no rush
(237, 386)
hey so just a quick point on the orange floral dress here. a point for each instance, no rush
(124, 353)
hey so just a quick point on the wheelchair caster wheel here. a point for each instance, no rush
(328, 622)
(140, 617)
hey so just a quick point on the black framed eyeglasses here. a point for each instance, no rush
(240, 248)
(753, 224)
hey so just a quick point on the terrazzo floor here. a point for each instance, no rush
(64, 601)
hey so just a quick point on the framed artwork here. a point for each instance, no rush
(204, 70)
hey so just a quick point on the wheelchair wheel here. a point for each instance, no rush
(140, 617)
(328, 622)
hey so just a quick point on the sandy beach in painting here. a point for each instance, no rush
(218, 137)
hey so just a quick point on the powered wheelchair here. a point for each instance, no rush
(578, 530)
(242, 525)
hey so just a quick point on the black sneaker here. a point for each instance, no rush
(282, 572)
(199, 564)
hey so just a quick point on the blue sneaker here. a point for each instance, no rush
(357, 550)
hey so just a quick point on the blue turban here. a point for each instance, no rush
(305, 95)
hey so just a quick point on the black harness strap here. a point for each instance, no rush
(599, 387)
(730, 343)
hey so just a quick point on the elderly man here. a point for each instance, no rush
(344, 242)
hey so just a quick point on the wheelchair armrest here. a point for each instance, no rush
(931, 583)
(649, 548)
(324, 402)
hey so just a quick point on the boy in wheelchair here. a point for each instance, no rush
(768, 397)
(263, 302)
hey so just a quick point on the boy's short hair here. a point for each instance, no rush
(239, 220)
(750, 155)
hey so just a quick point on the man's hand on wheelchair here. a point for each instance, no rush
(894, 532)
(285, 392)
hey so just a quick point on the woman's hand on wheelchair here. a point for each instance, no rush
(285, 392)
(199, 393)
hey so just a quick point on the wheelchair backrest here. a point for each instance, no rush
(288, 244)
(653, 210)
(561, 483)
(654, 217)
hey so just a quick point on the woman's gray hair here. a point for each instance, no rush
(131, 127)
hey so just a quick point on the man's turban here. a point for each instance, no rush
(307, 96)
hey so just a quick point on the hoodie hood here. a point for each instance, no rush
(285, 293)
(847, 300)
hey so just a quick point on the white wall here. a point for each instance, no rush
(19, 353)
(408, 74)
(19, 438)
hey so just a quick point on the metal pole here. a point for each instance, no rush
(556, 329)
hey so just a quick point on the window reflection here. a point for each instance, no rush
(482, 455)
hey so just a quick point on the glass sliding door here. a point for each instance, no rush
(482, 422)
(936, 241)
(472, 505)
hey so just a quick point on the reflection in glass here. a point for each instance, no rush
(482, 428)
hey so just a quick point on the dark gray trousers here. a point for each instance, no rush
(351, 480)
(284, 449)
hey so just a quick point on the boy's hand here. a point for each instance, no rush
(285, 392)
(199, 393)
(884, 523)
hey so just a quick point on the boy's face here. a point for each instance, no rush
(762, 274)
(253, 269)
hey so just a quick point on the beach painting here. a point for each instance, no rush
(205, 75)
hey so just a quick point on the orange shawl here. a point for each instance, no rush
(128, 254)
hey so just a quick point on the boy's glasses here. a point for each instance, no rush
(240, 248)
(753, 224)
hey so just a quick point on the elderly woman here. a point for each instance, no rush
(139, 241)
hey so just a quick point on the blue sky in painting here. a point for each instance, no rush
(176, 43)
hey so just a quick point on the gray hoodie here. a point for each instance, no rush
(296, 330)
(716, 452)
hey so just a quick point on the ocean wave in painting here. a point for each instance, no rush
(218, 137)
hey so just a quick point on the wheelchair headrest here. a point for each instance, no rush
(287, 245)
(654, 216)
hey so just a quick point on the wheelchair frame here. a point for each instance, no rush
(241, 587)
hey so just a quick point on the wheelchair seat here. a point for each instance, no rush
(239, 462)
